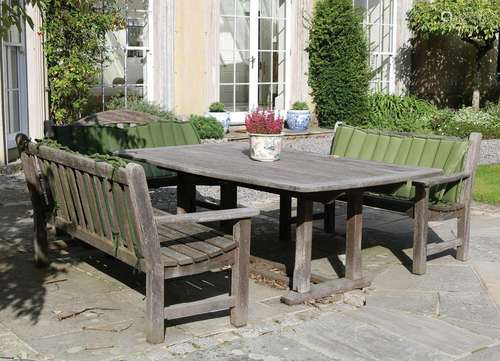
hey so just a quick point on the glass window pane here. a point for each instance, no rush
(279, 35)
(265, 36)
(279, 67)
(134, 91)
(242, 66)
(135, 32)
(226, 94)
(227, 7)
(279, 96)
(135, 70)
(264, 66)
(242, 33)
(226, 34)
(266, 8)
(243, 7)
(114, 69)
(226, 66)
(12, 68)
(241, 98)
(265, 96)
(14, 118)
(279, 8)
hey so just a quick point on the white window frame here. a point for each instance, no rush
(21, 88)
(237, 117)
(392, 24)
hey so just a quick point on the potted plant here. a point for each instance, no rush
(217, 111)
(265, 131)
(297, 118)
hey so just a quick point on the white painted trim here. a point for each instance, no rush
(161, 67)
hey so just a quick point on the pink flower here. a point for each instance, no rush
(262, 121)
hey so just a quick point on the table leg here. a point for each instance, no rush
(354, 231)
(285, 215)
(186, 195)
(303, 244)
(228, 200)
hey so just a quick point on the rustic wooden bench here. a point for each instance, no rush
(109, 207)
(434, 199)
(110, 131)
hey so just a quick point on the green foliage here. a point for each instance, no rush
(139, 105)
(465, 121)
(207, 127)
(477, 20)
(486, 188)
(216, 107)
(75, 46)
(13, 13)
(300, 106)
(407, 114)
(339, 73)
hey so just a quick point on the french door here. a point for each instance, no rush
(14, 85)
(253, 55)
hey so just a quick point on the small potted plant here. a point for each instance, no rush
(297, 118)
(265, 131)
(217, 111)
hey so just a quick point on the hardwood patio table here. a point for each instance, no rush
(308, 177)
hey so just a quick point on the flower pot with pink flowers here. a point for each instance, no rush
(265, 130)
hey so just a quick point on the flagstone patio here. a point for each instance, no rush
(87, 306)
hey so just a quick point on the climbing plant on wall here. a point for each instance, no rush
(75, 46)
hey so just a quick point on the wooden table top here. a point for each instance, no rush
(296, 171)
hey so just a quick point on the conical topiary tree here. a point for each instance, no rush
(339, 72)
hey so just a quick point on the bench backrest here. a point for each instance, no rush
(106, 206)
(105, 139)
(446, 153)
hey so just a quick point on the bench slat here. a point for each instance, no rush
(102, 207)
(208, 235)
(67, 194)
(93, 205)
(121, 213)
(181, 259)
(85, 201)
(207, 248)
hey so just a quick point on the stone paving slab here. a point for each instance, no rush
(448, 314)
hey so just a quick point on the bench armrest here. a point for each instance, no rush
(442, 179)
(209, 216)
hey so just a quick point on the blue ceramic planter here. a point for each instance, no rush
(298, 120)
(222, 117)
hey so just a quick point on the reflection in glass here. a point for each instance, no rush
(226, 94)
(243, 67)
(265, 36)
(241, 98)
(226, 67)
(242, 33)
(265, 66)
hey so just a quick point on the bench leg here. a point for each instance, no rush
(155, 306)
(329, 217)
(240, 273)
(421, 229)
(463, 233)
(285, 215)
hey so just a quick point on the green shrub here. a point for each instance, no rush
(300, 106)
(465, 121)
(216, 107)
(139, 105)
(207, 127)
(400, 113)
(339, 73)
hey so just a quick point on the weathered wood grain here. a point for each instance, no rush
(303, 246)
(296, 171)
(354, 232)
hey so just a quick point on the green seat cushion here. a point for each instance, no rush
(429, 151)
(100, 139)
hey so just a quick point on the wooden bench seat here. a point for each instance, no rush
(109, 207)
(434, 199)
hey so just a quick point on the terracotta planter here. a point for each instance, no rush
(265, 147)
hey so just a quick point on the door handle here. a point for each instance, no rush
(252, 61)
